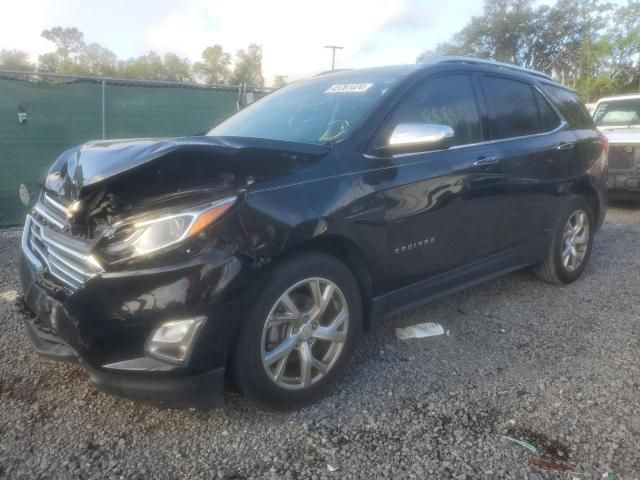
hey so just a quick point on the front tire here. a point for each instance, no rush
(300, 333)
(571, 245)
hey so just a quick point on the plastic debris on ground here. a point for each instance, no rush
(420, 330)
(521, 443)
(332, 468)
(549, 463)
(539, 459)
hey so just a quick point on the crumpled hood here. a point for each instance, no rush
(94, 162)
(621, 135)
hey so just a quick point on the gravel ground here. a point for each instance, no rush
(555, 366)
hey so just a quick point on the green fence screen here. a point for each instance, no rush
(41, 117)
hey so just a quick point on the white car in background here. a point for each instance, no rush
(618, 118)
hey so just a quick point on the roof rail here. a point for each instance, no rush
(482, 61)
(336, 70)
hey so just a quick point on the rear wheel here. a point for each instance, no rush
(571, 246)
(300, 333)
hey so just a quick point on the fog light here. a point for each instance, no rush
(173, 341)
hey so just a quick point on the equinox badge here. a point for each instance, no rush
(410, 246)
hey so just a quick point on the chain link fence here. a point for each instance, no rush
(41, 115)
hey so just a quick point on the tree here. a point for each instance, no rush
(279, 81)
(154, 67)
(67, 41)
(248, 67)
(147, 67)
(565, 40)
(215, 64)
(176, 69)
(73, 56)
(94, 59)
(620, 47)
(49, 62)
(500, 33)
(15, 60)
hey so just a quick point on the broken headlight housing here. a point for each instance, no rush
(140, 238)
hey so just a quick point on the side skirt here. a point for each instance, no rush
(418, 294)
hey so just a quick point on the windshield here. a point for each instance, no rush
(320, 110)
(617, 113)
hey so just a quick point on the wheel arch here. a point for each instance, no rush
(591, 194)
(346, 251)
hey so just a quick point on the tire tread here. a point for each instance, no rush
(547, 270)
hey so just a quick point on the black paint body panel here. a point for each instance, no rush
(414, 227)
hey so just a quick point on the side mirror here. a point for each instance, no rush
(419, 137)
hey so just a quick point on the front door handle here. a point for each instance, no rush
(486, 162)
(565, 146)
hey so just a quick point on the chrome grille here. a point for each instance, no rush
(622, 157)
(67, 265)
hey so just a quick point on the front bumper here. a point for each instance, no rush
(204, 390)
(106, 322)
(628, 182)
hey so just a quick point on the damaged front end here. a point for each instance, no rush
(133, 260)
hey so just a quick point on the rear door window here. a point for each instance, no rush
(512, 107)
(549, 119)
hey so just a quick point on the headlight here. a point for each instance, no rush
(156, 234)
(148, 236)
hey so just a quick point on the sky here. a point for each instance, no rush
(292, 32)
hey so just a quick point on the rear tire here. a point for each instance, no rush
(571, 245)
(300, 333)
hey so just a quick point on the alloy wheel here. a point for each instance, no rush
(305, 333)
(575, 240)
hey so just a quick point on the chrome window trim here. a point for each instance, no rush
(553, 105)
(560, 127)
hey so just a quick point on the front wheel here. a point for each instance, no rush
(571, 246)
(300, 333)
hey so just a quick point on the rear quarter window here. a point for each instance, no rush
(570, 106)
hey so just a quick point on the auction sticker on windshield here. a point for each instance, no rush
(349, 88)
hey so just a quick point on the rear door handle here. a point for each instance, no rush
(565, 146)
(486, 162)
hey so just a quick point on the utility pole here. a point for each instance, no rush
(333, 55)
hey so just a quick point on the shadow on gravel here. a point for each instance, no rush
(627, 203)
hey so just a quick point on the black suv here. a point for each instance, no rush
(260, 251)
